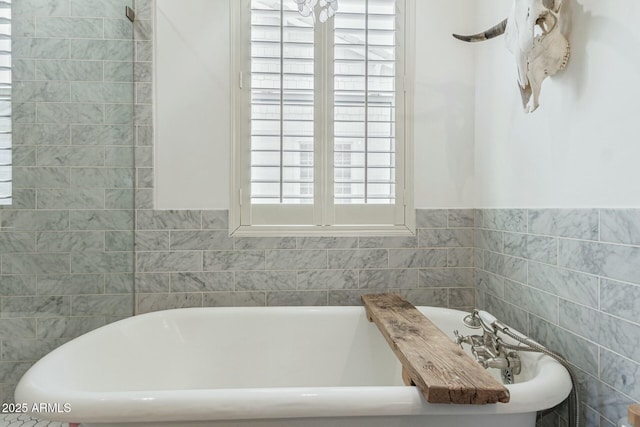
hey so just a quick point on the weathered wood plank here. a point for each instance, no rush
(430, 359)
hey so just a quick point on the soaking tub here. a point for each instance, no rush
(250, 367)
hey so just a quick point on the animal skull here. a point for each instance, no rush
(536, 33)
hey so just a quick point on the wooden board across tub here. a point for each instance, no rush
(430, 359)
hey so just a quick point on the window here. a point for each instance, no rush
(5, 103)
(321, 135)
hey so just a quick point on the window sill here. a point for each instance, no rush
(328, 230)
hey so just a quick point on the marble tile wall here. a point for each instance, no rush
(187, 259)
(571, 279)
(66, 260)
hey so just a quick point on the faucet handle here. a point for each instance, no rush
(459, 338)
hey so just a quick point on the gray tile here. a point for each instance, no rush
(446, 277)
(509, 267)
(71, 199)
(70, 156)
(143, 113)
(101, 177)
(435, 238)
(22, 199)
(144, 92)
(11, 372)
(11, 242)
(70, 284)
(461, 218)
(534, 301)
(24, 112)
(66, 327)
(113, 135)
(67, 70)
(148, 262)
(417, 258)
(101, 220)
(514, 220)
(101, 92)
(120, 71)
(109, 305)
(348, 297)
(578, 351)
(210, 219)
(434, 297)
(620, 373)
(55, 112)
(119, 283)
(35, 220)
(112, 262)
(17, 328)
(297, 298)
(174, 220)
(611, 261)
(573, 223)
(359, 258)
(23, 69)
(63, 27)
(145, 178)
(605, 330)
(607, 401)
(491, 283)
(536, 248)
(118, 29)
(23, 155)
(155, 302)
(103, 50)
(571, 285)
(461, 298)
(40, 177)
(119, 199)
(202, 282)
(47, 134)
(331, 279)
(388, 242)
(620, 226)
(384, 279)
(20, 285)
(327, 242)
(295, 259)
(105, 8)
(70, 241)
(40, 306)
(37, 48)
(460, 257)
(35, 263)
(119, 114)
(143, 29)
(235, 299)
(620, 299)
(265, 280)
(40, 91)
(143, 157)
(234, 260)
(152, 240)
(41, 7)
(121, 156)
(201, 240)
(244, 243)
(153, 282)
(431, 218)
(14, 350)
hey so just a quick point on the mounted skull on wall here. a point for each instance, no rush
(536, 33)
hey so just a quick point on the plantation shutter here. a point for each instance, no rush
(323, 99)
(5, 103)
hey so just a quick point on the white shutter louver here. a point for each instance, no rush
(5, 103)
(365, 102)
(282, 104)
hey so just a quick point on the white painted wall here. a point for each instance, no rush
(192, 105)
(581, 148)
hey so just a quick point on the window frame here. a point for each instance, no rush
(329, 218)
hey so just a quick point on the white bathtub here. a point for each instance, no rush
(243, 367)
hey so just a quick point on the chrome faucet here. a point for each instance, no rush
(488, 348)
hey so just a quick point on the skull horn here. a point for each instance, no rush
(492, 32)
